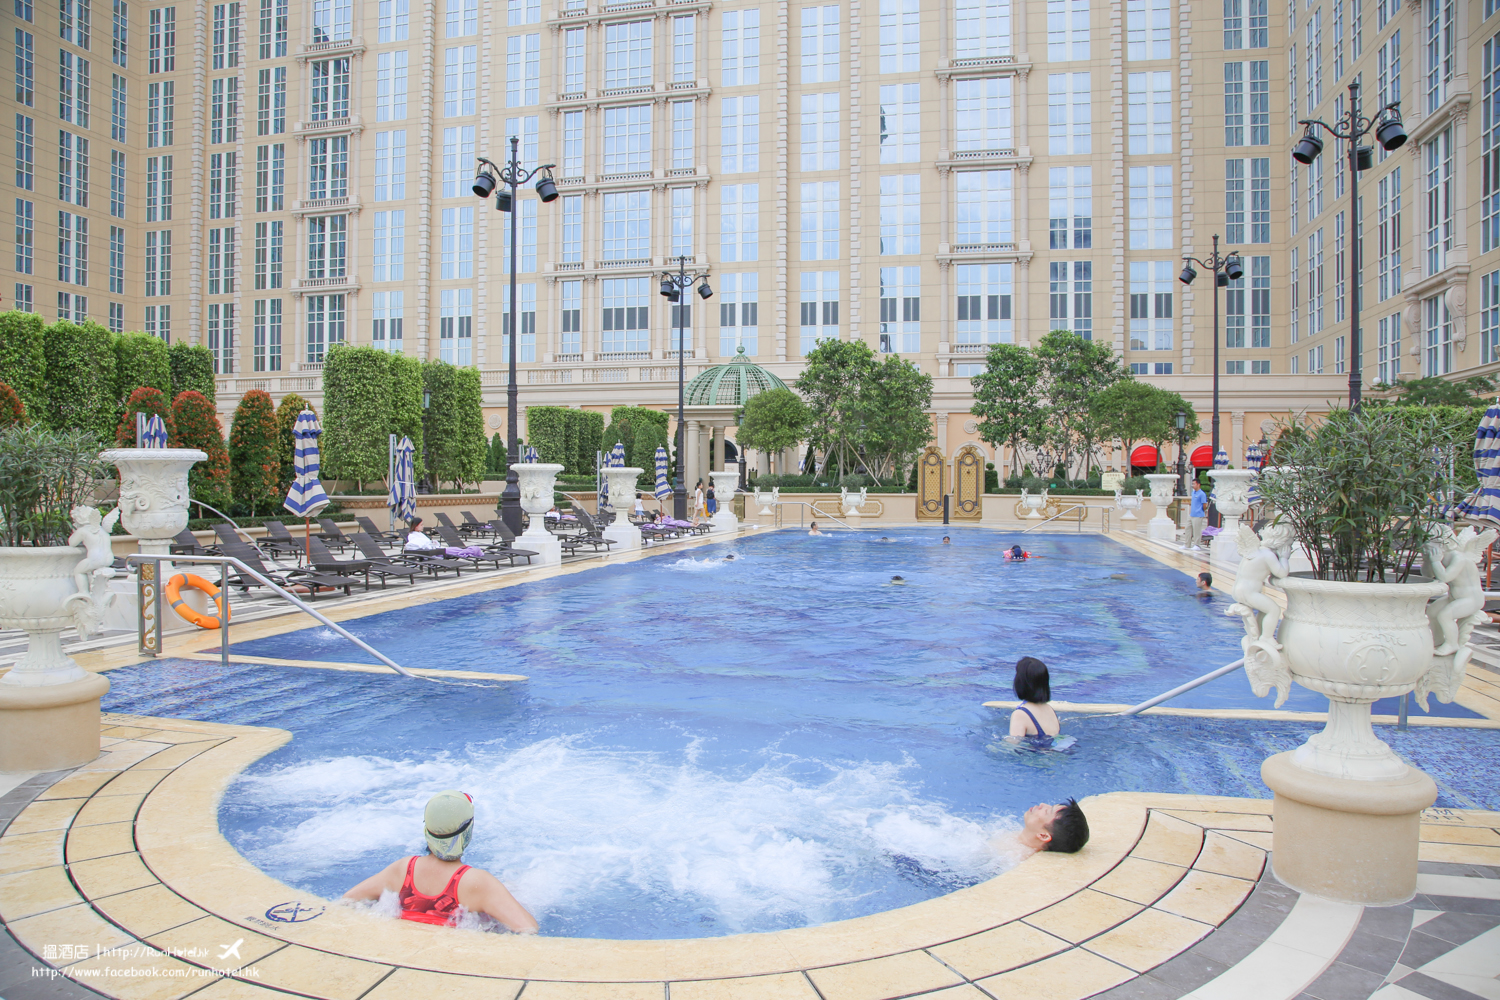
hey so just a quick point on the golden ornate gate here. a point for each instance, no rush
(968, 484)
(931, 469)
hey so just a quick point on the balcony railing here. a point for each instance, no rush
(625, 356)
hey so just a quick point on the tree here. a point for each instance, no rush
(1438, 391)
(589, 438)
(140, 360)
(772, 421)
(547, 431)
(12, 410)
(649, 437)
(832, 381)
(497, 462)
(1008, 398)
(255, 466)
(153, 403)
(357, 414)
(1074, 370)
(1164, 428)
(23, 359)
(1131, 411)
(197, 426)
(80, 382)
(453, 425)
(406, 406)
(286, 419)
(192, 368)
(893, 421)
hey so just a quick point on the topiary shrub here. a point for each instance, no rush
(406, 405)
(23, 359)
(80, 382)
(357, 414)
(192, 367)
(547, 432)
(254, 464)
(453, 426)
(497, 461)
(12, 410)
(589, 439)
(141, 360)
(197, 426)
(648, 437)
(286, 420)
(153, 403)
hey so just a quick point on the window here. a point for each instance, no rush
(1150, 208)
(1437, 156)
(460, 71)
(1489, 145)
(627, 55)
(458, 243)
(1440, 39)
(986, 211)
(900, 310)
(327, 246)
(572, 161)
(901, 123)
(394, 23)
(328, 168)
(1235, 316)
(1338, 39)
(25, 153)
(572, 228)
(24, 10)
(684, 59)
(627, 139)
(458, 161)
(1256, 222)
(983, 117)
(526, 303)
(1071, 207)
(1388, 70)
(273, 29)
(73, 169)
(1151, 305)
(1136, 368)
(117, 183)
(330, 89)
(1069, 117)
(820, 131)
(72, 89)
(463, 18)
(223, 184)
(984, 303)
(739, 35)
(1150, 112)
(73, 307)
(900, 214)
(1489, 316)
(456, 326)
(1260, 368)
(626, 319)
(1067, 30)
(1315, 324)
(1315, 59)
(1338, 355)
(270, 101)
(390, 86)
(158, 263)
(683, 148)
(1148, 29)
(73, 21)
(158, 189)
(1259, 130)
(682, 222)
(1315, 189)
(1388, 356)
(385, 321)
(739, 134)
(24, 300)
(820, 308)
(266, 333)
(574, 61)
(220, 336)
(523, 12)
(571, 343)
(117, 317)
(226, 35)
(224, 107)
(25, 69)
(1072, 296)
(72, 248)
(270, 178)
(523, 72)
(524, 128)
(1260, 303)
(739, 222)
(325, 325)
(331, 22)
(820, 220)
(390, 165)
(269, 247)
(1294, 326)
(982, 29)
(159, 322)
(1438, 327)
(1260, 36)
(820, 44)
(1234, 24)
(739, 314)
(25, 236)
(900, 36)
(1338, 268)
(627, 225)
(527, 227)
(117, 108)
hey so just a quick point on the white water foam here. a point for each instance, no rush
(690, 565)
(570, 828)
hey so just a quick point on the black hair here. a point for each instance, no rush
(1015, 550)
(415, 523)
(1070, 829)
(896, 578)
(1207, 578)
(1032, 683)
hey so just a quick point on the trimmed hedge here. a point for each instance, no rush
(547, 432)
(286, 419)
(453, 425)
(198, 427)
(80, 378)
(406, 406)
(23, 359)
(357, 396)
(141, 360)
(255, 466)
(589, 432)
(192, 368)
(496, 463)
(153, 403)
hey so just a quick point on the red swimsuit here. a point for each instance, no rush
(439, 909)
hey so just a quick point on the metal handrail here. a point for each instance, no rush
(1184, 688)
(224, 615)
(803, 503)
(1104, 518)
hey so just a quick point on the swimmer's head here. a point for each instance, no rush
(1205, 581)
(1059, 827)
(448, 824)
(897, 579)
(729, 558)
(946, 540)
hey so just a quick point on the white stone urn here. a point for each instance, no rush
(852, 502)
(1033, 502)
(537, 483)
(625, 535)
(154, 492)
(1127, 504)
(1232, 499)
(768, 500)
(726, 483)
(1162, 487)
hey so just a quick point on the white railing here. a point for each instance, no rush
(981, 154)
(982, 61)
(968, 348)
(625, 356)
(984, 248)
(636, 262)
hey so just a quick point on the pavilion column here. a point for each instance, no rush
(716, 461)
(690, 460)
(762, 463)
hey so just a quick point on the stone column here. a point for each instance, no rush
(1237, 439)
(689, 462)
(704, 441)
(717, 458)
(762, 463)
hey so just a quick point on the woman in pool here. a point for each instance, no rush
(1016, 554)
(434, 887)
(1033, 722)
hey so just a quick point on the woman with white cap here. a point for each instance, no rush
(432, 888)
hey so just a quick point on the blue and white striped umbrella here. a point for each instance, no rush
(1254, 456)
(1221, 459)
(403, 496)
(529, 455)
(1483, 504)
(155, 435)
(663, 488)
(617, 456)
(306, 497)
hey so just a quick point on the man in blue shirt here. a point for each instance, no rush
(1197, 516)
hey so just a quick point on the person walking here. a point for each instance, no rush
(698, 508)
(713, 504)
(1197, 516)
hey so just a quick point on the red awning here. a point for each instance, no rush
(1203, 457)
(1144, 455)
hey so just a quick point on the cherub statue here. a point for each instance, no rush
(91, 532)
(1454, 560)
(1262, 557)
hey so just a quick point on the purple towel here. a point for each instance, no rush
(468, 551)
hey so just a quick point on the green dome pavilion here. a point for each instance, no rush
(731, 384)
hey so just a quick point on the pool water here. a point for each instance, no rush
(709, 747)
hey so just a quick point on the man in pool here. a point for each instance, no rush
(1205, 583)
(1059, 827)
(947, 540)
(433, 888)
(812, 528)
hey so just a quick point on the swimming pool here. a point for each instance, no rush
(706, 747)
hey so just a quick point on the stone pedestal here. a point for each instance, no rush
(1232, 499)
(725, 484)
(537, 482)
(625, 535)
(1161, 526)
(52, 727)
(1346, 840)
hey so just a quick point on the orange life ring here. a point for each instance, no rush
(174, 596)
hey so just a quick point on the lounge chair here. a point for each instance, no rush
(368, 527)
(434, 564)
(278, 539)
(331, 534)
(282, 578)
(474, 524)
(591, 535)
(322, 561)
(492, 553)
(185, 543)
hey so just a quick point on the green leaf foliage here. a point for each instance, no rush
(893, 422)
(547, 432)
(12, 410)
(153, 403)
(648, 437)
(255, 466)
(44, 474)
(624, 424)
(772, 421)
(141, 360)
(1008, 399)
(1132, 411)
(286, 420)
(80, 378)
(1074, 370)
(589, 436)
(865, 412)
(1438, 391)
(831, 382)
(496, 462)
(453, 427)
(23, 359)
(357, 414)
(197, 426)
(192, 368)
(406, 406)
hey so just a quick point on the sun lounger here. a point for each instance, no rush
(287, 579)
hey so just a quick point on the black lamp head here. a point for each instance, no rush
(1234, 268)
(484, 184)
(1364, 157)
(1180, 420)
(1391, 134)
(669, 290)
(704, 292)
(545, 189)
(1187, 275)
(502, 201)
(1308, 147)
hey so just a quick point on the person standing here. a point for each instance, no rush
(713, 504)
(698, 507)
(1197, 515)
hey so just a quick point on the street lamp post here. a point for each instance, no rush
(1390, 133)
(1180, 420)
(510, 177)
(672, 288)
(1225, 268)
